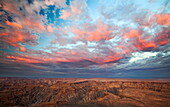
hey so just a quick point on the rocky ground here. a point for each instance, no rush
(22, 92)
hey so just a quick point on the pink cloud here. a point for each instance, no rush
(102, 32)
(49, 28)
(136, 39)
(22, 59)
(77, 8)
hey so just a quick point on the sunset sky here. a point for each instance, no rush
(85, 38)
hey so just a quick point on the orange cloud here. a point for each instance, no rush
(1, 13)
(13, 24)
(29, 59)
(101, 33)
(49, 28)
(163, 37)
(163, 19)
(4, 34)
(65, 14)
(112, 58)
(138, 42)
(144, 45)
(149, 45)
(163, 42)
(16, 37)
(22, 59)
(23, 49)
(34, 25)
(132, 34)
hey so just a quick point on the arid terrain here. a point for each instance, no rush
(23, 92)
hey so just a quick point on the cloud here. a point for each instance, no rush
(60, 3)
(100, 32)
(75, 11)
(23, 60)
(49, 28)
(84, 34)
(137, 56)
(163, 19)
(13, 24)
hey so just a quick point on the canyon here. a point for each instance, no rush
(81, 92)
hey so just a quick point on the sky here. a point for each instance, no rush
(85, 38)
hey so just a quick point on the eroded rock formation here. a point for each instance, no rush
(83, 93)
